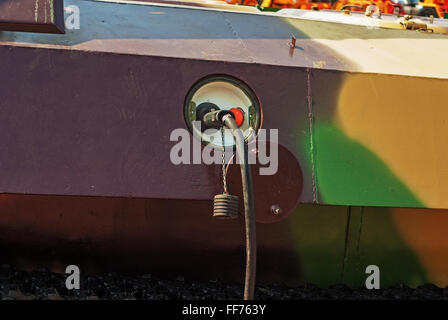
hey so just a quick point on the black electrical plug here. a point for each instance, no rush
(211, 116)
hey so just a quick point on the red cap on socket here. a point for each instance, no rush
(239, 116)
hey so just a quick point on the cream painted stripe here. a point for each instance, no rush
(403, 56)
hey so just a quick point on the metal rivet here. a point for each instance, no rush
(276, 210)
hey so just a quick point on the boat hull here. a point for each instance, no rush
(86, 120)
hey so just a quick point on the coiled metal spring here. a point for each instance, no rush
(225, 206)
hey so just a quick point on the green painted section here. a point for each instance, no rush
(348, 173)
(336, 243)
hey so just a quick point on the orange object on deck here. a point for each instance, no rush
(283, 3)
(436, 8)
(385, 6)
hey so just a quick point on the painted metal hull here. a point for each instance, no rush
(87, 116)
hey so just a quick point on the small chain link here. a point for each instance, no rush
(224, 179)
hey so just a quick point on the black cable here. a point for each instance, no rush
(212, 117)
(249, 211)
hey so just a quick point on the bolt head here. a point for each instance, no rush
(276, 210)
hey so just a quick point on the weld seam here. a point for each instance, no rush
(237, 36)
(358, 254)
(310, 121)
(347, 238)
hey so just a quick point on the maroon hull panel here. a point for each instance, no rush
(170, 237)
(98, 124)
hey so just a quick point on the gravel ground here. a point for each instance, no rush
(43, 284)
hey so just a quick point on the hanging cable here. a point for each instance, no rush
(216, 119)
(249, 212)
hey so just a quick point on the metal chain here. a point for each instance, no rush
(224, 179)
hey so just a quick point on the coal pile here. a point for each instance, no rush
(43, 285)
